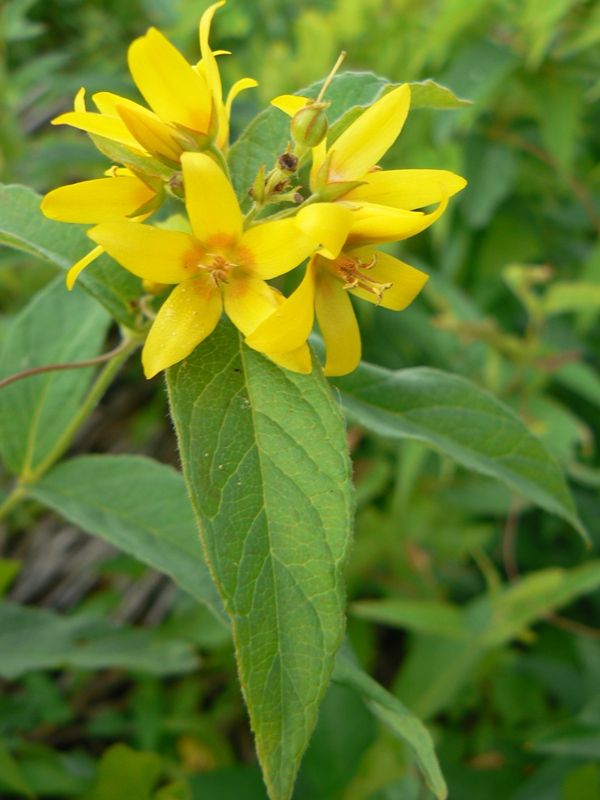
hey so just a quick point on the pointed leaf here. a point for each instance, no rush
(34, 638)
(139, 506)
(395, 716)
(464, 422)
(265, 458)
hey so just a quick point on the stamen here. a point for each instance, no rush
(217, 266)
(351, 271)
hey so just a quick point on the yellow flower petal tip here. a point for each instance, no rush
(290, 104)
(80, 265)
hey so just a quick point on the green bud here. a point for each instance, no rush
(309, 125)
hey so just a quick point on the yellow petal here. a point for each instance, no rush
(365, 141)
(319, 154)
(338, 325)
(224, 110)
(248, 300)
(407, 188)
(152, 134)
(151, 253)
(273, 248)
(107, 102)
(296, 361)
(406, 281)
(80, 265)
(374, 223)
(211, 203)
(236, 89)
(186, 318)
(290, 325)
(328, 224)
(208, 58)
(109, 127)
(101, 200)
(79, 103)
(290, 104)
(170, 86)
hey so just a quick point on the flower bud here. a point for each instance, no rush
(309, 125)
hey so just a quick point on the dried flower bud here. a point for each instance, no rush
(288, 162)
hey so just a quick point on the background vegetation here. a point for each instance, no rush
(112, 677)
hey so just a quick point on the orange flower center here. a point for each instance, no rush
(354, 273)
(217, 266)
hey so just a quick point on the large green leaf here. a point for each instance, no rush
(34, 638)
(395, 716)
(55, 327)
(139, 506)
(24, 227)
(462, 421)
(265, 458)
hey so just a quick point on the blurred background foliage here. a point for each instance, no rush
(512, 304)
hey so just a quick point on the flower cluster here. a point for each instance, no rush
(220, 259)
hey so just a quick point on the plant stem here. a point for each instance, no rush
(100, 385)
(90, 362)
(12, 499)
(104, 379)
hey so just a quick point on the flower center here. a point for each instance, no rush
(217, 266)
(354, 273)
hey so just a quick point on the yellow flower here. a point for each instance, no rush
(367, 273)
(385, 201)
(218, 265)
(188, 111)
(122, 195)
(384, 209)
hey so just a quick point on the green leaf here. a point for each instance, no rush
(240, 780)
(581, 378)
(466, 423)
(55, 327)
(139, 506)
(126, 773)
(11, 777)
(269, 132)
(534, 597)
(423, 616)
(24, 227)
(563, 296)
(491, 621)
(33, 638)
(345, 730)
(395, 716)
(265, 459)
(9, 569)
(430, 94)
(491, 170)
